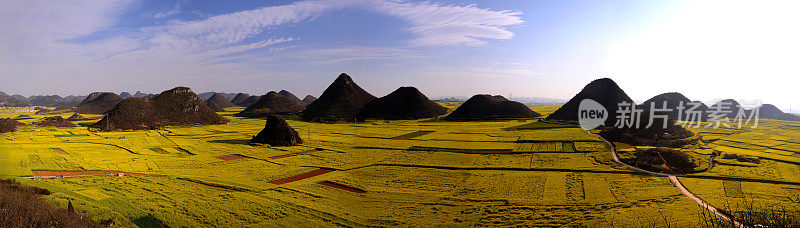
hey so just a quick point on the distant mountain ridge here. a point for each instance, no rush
(524, 100)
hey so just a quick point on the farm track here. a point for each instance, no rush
(677, 183)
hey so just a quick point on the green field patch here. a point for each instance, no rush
(733, 189)
(458, 150)
(550, 147)
(575, 190)
(568, 147)
(538, 125)
(412, 135)
(148, 222)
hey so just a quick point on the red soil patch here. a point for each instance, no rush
(158, 150)
(302, 176)
(230, 157)
(59, 151)
(72, 174)
(294, 154)
(342, 187)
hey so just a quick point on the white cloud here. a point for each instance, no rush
(437, 25)
(29, 27)
(37, 37)
(60, 20)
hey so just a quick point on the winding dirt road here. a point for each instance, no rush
(676, 182)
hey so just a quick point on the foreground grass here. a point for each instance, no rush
(22, 206)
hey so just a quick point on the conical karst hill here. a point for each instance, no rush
(178, 106)
(403, 103)
(272, 103)
(340, 102)
(488, 107)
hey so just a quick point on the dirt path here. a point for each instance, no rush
(677, 183)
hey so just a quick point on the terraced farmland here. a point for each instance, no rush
(388, 173)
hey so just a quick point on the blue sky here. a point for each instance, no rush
(705, 49)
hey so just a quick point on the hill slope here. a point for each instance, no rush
(340, 102)
(604, 91)
(178, 106)
(403, 103)
(487, 107)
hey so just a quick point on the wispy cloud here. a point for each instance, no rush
(38, 24)
(178, 8)
(354, 53)
(439, 25)
(37, 37)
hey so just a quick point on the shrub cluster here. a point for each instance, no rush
(22, 206)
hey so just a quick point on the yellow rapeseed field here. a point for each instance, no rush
(388, 173)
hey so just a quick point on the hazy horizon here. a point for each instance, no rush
(706, 50)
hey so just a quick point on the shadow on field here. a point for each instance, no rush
(232, 141)
(85, 124)
(149, 221)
